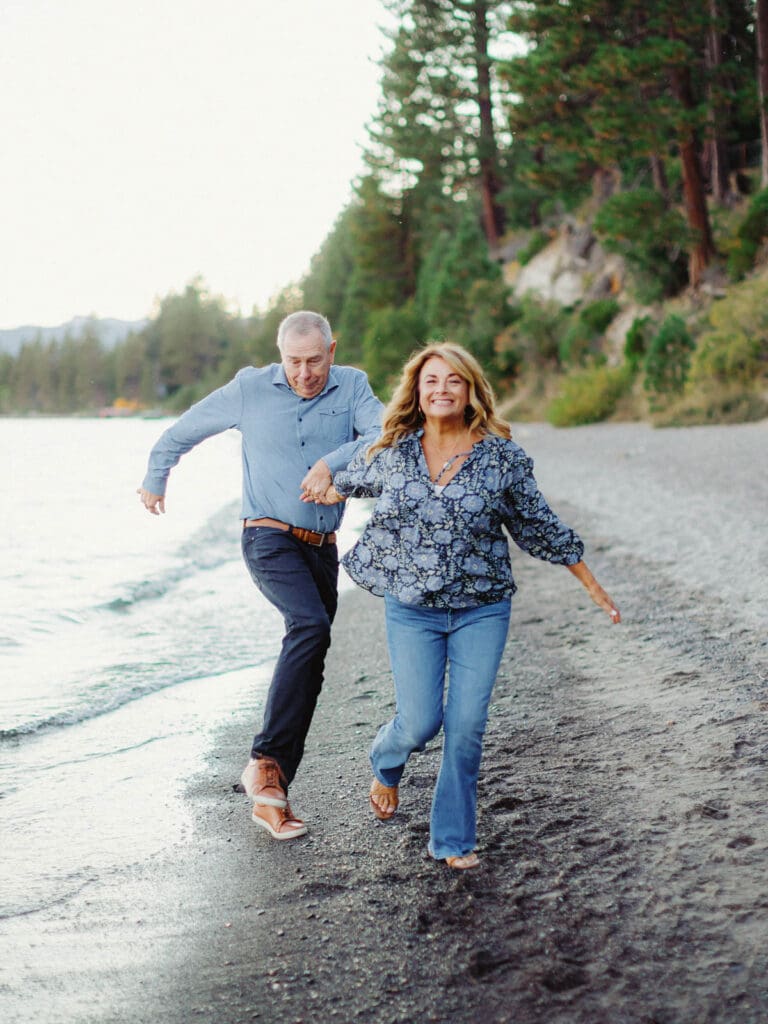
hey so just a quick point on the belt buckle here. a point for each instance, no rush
(306, 536)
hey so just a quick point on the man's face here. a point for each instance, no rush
(307, 362)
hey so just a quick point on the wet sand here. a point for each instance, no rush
(622, 803)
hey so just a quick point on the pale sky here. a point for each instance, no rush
(144, 143)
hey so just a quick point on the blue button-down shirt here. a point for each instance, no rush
(283, 436)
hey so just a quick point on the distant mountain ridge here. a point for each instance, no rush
(109, 331)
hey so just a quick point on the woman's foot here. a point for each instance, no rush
(469, 860)
(383, 800)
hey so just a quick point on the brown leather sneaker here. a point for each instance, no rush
(280, 822)
(262, 781)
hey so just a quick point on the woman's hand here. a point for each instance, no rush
(331, 497)
(582, 573)
(602, 600)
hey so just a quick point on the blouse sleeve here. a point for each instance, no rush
(361, 479)
(532, 524)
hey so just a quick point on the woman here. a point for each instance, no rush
(447, 478)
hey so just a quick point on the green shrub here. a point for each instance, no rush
(578, 345)
(714, 405)
(729, 356)
(734, 350)
(509, 360)
(539, 240)
(651, 238)
(536, 332)
(589, 396)
(636, 342)
(584, 336)
(752, 231)
(598, 314)
(669, 355)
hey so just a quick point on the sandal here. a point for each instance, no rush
(280, 822)
(386, 795)
(468, 860)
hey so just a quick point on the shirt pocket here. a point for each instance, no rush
(333, 427)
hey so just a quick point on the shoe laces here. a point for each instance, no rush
(271, 773)
(286, 814)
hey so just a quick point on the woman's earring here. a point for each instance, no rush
(469, 412)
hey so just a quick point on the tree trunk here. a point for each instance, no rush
(493, 214)
(605, 183)
(717, 149)
(659, 176)
(535, 212)
(702, 249)
(761, 14)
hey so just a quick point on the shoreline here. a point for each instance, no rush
(621, 824)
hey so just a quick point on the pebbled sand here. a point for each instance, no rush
(622, 802)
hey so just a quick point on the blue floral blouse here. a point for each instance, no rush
(446, 548)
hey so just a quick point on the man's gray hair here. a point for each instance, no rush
(305, 322)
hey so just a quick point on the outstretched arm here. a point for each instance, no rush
(582, 573)
(154, 503)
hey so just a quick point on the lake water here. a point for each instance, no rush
(124, 639)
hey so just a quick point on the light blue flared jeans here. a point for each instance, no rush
(425, 645)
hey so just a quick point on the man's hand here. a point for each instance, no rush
(154, 503)
(316, 482)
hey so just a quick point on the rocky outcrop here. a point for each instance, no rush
(572, 268)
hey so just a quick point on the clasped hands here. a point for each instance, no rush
(317, 486)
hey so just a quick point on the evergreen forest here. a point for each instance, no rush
(626, 141)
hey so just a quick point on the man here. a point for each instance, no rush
(301, 420)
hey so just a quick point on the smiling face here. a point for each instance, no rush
(443, 393)
(307, 362)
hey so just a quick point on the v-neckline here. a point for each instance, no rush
(435, 484)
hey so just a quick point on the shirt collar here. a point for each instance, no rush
(279, 378)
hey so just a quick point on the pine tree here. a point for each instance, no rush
(189, 335)
(466, 298)
(380, 272)
(613, 79)
(435, 132)
(325, 284)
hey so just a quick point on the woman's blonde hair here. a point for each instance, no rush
(403, 415)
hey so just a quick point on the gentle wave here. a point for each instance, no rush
(148, 590)
(112, 700)
(88, 664)
(209, 548)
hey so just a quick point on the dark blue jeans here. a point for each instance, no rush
(301, 581)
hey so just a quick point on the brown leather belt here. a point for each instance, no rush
(308, 536)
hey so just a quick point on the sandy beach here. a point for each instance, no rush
(623, 828)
